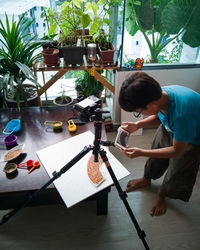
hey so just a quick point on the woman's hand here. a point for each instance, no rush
(132, 152)
(130, 127)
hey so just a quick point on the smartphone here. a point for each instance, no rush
(122, 138)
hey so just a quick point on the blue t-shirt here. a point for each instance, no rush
(183, 114)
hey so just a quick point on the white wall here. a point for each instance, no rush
(189, 77)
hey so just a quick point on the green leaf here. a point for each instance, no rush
(131, 18)
(146, 20)
(192, 36)
(95, 25)
(106, 21)
(101, 1)
(52, 29)
(85, 20)
(77, 3)
(172, 19)
(138, 3)
(158, 10)
(88, 6)
(94, 8)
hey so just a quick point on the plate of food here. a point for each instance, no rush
(12, 153)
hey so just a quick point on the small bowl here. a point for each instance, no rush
(57, 125)
(54, 124)
(10, 140)
(10, 168)
(12, 126)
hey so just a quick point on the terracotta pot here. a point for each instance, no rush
(84, 32)
(107, 56)
(51, 57)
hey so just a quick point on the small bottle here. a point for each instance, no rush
(92, 52)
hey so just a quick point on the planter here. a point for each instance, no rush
(83, 32)
(32, 100)
(51, 57)
(59, 101)
(73, 55)
(107, 56)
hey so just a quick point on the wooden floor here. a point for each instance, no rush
(57, 228)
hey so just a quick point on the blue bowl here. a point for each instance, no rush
(12, 126)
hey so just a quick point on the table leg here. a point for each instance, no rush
(102, 202)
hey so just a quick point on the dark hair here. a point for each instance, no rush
(138, 90)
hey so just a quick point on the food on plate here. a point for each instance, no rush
(12, 154)
(57, 124)
(93, 170)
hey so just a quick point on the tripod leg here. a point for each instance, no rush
(123, 196)
(56, 175)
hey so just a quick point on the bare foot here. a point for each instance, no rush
(159, 207)
(138, 183)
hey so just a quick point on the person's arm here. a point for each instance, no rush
(176, 150)
(150, 121)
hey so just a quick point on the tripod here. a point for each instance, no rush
(96, 150)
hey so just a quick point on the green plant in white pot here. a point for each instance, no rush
(16, 58)
(63, 99)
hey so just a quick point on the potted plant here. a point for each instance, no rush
(72, 52)
(71, 21)
(16, 58)
(62, 99)
(105, 47)
(31, 96)
(51, 57)
(87, 85)
(49, 40)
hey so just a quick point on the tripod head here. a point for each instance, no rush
(97, 115)
(87, 108)
(90, 110)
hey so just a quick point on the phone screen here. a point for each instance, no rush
(122, 138)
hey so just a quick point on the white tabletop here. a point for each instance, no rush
(75, 185)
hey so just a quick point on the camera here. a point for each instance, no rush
(87, 107)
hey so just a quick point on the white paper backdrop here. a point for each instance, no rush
(75, 185)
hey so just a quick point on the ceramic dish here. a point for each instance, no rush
(54, 124)
(10, 168)
(12, 153)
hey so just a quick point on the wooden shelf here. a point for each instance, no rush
(41, 66)
(61, 70)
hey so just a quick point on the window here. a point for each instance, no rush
(165, 35)
(135, 36)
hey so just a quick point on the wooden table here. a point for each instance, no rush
(34, 134)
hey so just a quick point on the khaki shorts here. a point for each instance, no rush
(181, 171)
